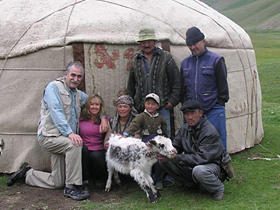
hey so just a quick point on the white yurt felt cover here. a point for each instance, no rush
(37, 39)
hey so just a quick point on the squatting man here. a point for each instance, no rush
(200, 150)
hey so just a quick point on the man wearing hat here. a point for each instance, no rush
(154, 70)
(200, 150)
(204, 77)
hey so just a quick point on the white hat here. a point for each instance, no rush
(153, 96)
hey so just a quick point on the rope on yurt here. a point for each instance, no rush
(64, 40)
(242, 115)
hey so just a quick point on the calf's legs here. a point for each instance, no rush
(111, 172)
(146, 183)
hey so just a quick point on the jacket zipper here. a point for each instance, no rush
(195, 81)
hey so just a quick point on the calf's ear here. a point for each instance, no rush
(153, 142)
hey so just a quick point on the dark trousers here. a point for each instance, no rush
(94, 164)
(157, 172)
(179, 173)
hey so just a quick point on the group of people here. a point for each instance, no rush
(75, 129)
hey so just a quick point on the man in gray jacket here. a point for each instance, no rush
(200, 152)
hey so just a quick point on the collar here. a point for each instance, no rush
(157, 51)
(198, 125)
(153, 116)
(205, 51)
(62, 80)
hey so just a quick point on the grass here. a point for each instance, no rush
(3, 180)
(238, 4)
(256, 185)
(267, 47)
(250, 14)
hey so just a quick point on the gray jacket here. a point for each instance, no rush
(199, 145)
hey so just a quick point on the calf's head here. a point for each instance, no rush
(163, 146)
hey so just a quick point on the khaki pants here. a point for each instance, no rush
(66, 163)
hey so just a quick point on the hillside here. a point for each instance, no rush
(250, 14)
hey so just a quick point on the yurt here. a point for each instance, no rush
(39, 38)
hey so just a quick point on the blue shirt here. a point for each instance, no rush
(54, 104)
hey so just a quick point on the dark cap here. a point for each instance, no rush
(193, 35)
(190, 106)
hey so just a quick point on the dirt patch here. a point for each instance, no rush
(251, 156)
(21, 196)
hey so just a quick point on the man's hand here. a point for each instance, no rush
(164, 158)
(104, 126)
(168, 105)
(76, 139)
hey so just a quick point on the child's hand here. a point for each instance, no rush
(148, 144)
(106, 145)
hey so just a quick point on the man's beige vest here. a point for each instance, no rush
(46, 126)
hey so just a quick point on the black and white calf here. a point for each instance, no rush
(132, 156)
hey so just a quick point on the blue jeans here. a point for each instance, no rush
(217, 116)
(166, 115)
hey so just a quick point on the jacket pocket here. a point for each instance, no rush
(187, 76)
(186, 72)
(209, 95)
(209, 78)
(66, 101)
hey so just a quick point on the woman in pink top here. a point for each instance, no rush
(93, 156)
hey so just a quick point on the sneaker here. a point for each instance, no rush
(217, 196)
(75, 194)
(159, 185)
(19, 175)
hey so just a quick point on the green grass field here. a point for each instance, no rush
(256, 184)
(250, 14)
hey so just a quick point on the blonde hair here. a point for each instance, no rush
(87, 115)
